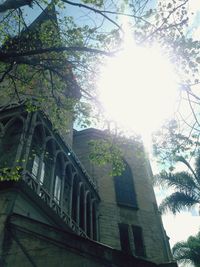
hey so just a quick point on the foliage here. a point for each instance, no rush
(185, 185)
(8, 174)
(170, 142)
(56, 60)
(104, 152)
(188, 251)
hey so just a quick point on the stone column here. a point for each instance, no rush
(78, 203)
(22, 141)
(85, 211)
(95, 226)
(62, 189)
(71, 194)
(52, 178)
(91, 218)
(32, 120)
(40, 168)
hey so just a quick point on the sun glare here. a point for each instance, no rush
(138, 88)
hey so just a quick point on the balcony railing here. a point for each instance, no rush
(52, 203)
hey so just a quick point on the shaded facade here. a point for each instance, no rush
(128, 215)
(56, 207)
(54, 202)
(49, 167)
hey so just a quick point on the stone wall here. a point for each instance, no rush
(30, 243)
(110, 214)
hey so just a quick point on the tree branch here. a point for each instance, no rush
(191, 107)
(6, 72)
(53, 70)
(100, 12)
(15, 88)
(14, 4)
(164, 21)
(6, 56)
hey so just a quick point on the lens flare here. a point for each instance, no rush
(138, 87)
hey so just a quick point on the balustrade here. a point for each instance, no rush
(48, 166)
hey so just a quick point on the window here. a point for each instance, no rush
(124, 188)
(47, 166)
(35, 169)
(124, 237)
(42, 173)
(138, 241)
(57, 188)
(35, 166)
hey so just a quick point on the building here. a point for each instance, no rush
(66, 211)
(60, 209)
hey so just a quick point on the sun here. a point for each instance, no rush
(138, 88)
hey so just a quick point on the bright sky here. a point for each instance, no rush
(139, 89)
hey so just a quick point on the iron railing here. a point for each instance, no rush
(52, 203)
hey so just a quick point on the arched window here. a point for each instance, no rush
(35, 154)
(82, 208)
(58, 179)
(124, 188)
(10, 143)
(48, 164)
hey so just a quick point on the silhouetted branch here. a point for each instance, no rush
(14, 4)
(8, 56)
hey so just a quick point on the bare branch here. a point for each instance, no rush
(8, 56)
(14, 4)
(191, 107)
(100, 12)
(15, 87)
(164, 21)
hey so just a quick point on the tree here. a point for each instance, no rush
(82, 46)
(188, 251)
(63, 58)
(186, 187)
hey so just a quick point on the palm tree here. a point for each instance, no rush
(186, 187)
(188, 251)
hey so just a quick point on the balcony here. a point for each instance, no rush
(50, 168)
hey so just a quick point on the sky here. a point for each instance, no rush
(178, 227)
(138, 106)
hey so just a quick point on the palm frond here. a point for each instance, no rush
(184, 161)
(181, 181)
(188, 251)
(177, 201)
(197, 168)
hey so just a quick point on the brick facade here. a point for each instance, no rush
(110, 214)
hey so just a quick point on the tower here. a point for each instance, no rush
(129, 219)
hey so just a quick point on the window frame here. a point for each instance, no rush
(129, 189)
(57, 189)
(139, 246)
(124, 236)
(35, 166)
